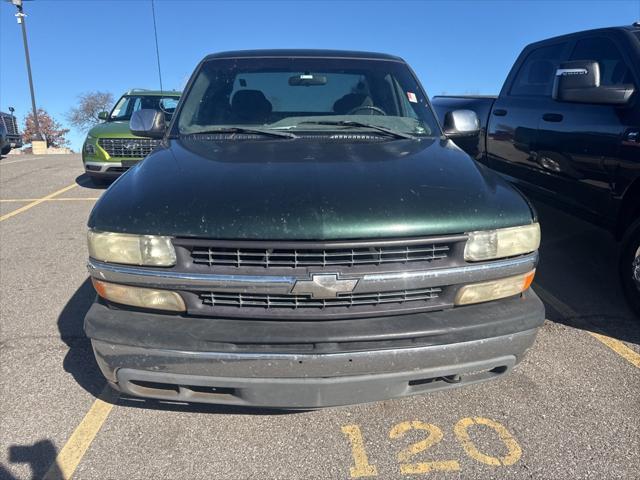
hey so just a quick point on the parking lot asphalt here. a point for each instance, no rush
(571, 409)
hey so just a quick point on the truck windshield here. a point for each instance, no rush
(131, 103)
(306, 94)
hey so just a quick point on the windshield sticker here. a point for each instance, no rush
(412, 97)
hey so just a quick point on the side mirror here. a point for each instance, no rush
(461, 123)
(148, 123)
(578, 81)
(103, 115)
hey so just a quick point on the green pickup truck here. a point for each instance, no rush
(110, 148)
(306, 234)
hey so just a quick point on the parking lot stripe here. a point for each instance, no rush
(66, 199)
(71, 454)
(37, 202)
(619, 347)
(565, 310)
(21, 160)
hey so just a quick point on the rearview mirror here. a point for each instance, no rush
(461, 123)
(578, 81)
(148, 123)
(307, 80)
(103, 115)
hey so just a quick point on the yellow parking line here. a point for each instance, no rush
(565, 310)
(21, 160)
(620, 348)
(66, 199)
(9, 200)
(37, 202)
(71, 454)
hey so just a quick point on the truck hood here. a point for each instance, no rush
(112, 130)
(308, 189)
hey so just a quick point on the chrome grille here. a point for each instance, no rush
(258, 300)
(10, 124)
(128, 147)
(322, 257)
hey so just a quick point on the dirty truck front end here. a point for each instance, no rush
(305, 236)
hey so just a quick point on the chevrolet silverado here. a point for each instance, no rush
(304, 236)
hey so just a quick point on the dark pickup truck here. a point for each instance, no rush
(566, 128)
(304, 235)
(12, 138)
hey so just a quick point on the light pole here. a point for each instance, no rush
(20, 16)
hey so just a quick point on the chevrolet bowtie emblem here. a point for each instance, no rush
(324, 286)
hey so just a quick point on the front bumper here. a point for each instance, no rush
(106, 169)
(14, 141)
(348, 361)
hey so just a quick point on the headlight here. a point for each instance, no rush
(504, 242)
(494, 289)
(150, 250)
(89, 145)
(89, 149)
(140, 297)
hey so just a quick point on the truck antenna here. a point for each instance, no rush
(155, 33)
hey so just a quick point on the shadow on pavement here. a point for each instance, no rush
(41, 457)
(86, 181)
(79, 360)
(578, 266)
(81, 364)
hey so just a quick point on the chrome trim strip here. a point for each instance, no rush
(189, 281)
(571, 71)
(103, 166)
(452, 275)
(172, 280)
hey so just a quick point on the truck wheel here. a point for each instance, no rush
(629, 266)
(6, 150)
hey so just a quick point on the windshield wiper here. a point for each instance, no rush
(259, 131)
(353, 123)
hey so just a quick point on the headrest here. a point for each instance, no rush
(251, 105)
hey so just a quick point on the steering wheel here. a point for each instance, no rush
(367, 107)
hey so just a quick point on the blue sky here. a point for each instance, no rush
(454, 46)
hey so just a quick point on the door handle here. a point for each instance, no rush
(552, 117)
(499, 112)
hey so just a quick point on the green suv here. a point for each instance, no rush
(110, 148)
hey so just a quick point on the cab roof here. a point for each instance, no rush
(144, 91)
(621, 28)
(292, 53)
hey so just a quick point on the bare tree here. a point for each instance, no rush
(51, 129)
(90, 104)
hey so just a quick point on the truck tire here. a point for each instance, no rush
(629, 266)
(6, 150)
